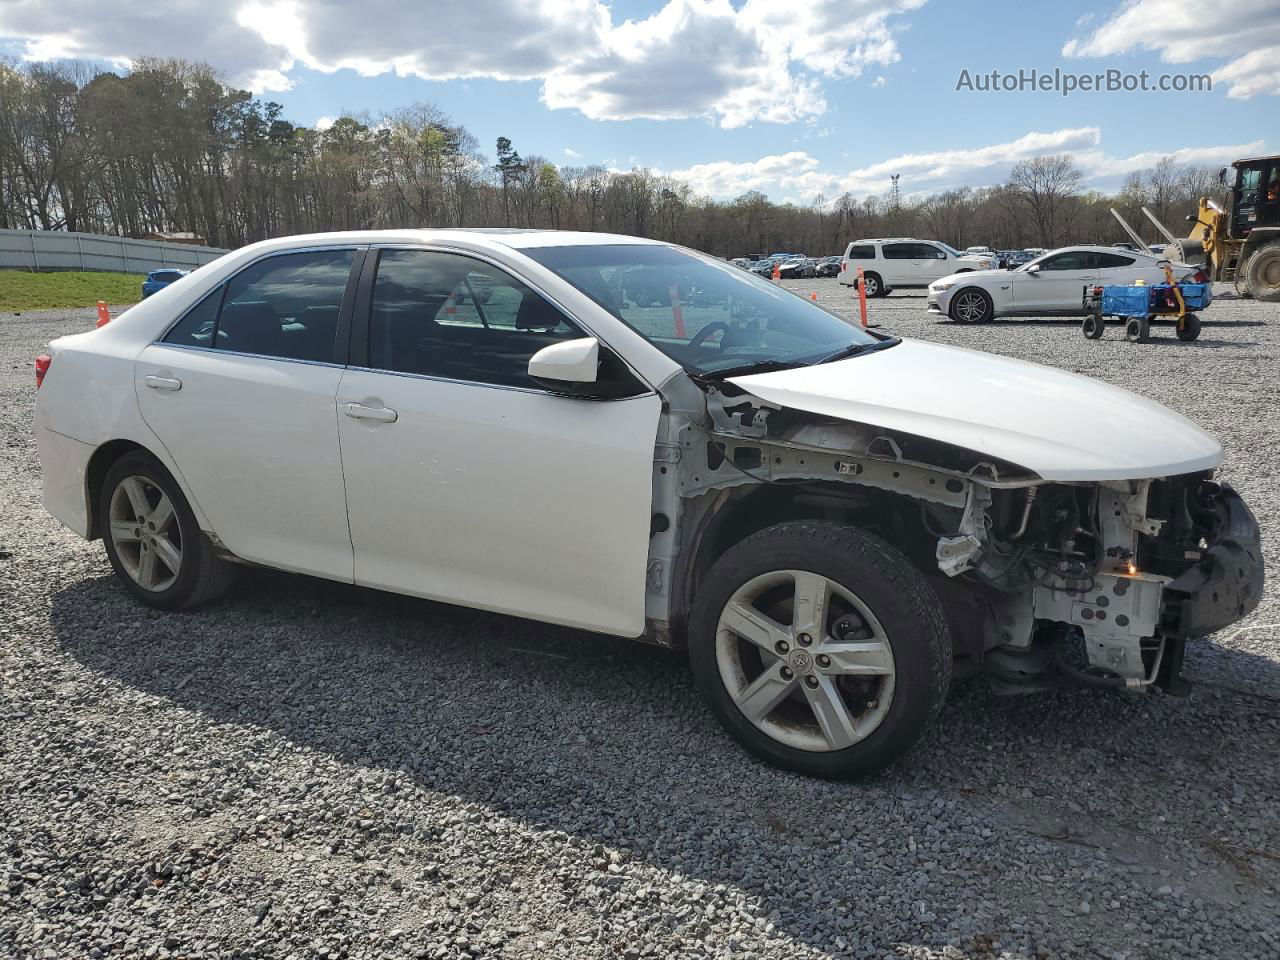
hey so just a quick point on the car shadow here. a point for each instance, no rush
(539, 723)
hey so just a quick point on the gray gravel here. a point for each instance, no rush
(308, 770)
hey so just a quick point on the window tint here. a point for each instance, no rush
(195, 329)
(1112, 260)
(867, 252)
(1074, 260)
(927, 251)
(286, 306)
(899, 251)
(445, 315)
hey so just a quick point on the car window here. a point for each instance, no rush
(1071, 260)
(927, 251)
(195, 328)
(446, 315)
(900, 251)
(865, 252)
(1113, 260)
(284, 306)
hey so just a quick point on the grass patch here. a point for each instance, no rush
(20, 290)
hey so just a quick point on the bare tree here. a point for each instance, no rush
(1047, 188)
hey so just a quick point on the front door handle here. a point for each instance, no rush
(162, 383)
(358, 411)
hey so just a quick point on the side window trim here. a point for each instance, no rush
(362, 317)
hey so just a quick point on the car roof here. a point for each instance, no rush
(516, 238)
(1096, 248)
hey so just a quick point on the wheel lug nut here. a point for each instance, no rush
(786, 673)
(824, 660)
(804, 639)
(811, 681)
(782, 646)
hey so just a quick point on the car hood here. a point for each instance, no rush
(1059, 425)
(971, 275)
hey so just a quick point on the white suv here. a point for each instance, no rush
(904, 262)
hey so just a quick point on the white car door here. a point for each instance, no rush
(933, 263)
(241, 393)
(1058, 286)
(900, 263)
(470, 483)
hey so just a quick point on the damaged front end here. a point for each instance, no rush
(1097, 582)
(1102, 584)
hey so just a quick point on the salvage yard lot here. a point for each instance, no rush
(315, 770)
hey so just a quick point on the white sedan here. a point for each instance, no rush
(640, 440)
(1050, 285)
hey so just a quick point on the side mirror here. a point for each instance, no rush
(1034, 269)
(564, 365)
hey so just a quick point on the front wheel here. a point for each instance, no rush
(152, 539)
(1188, 327)
(1262, 273)
(820, 649)
(1093, 326)
(972, 306)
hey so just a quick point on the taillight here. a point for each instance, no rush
(42, 367)
(1201, 277)
(843, 266)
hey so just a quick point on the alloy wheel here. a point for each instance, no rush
(971, 307)
(145, 533)
(805, 660)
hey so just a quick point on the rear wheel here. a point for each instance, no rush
(152, 539)
(873, 285)
(820, 648)
(971, 305)
(1262, 273)
(1137, 330)
(1093, 326)
(1188, 327)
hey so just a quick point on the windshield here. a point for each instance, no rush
(950, 249)
(703, 313)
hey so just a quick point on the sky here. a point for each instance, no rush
(798, 100)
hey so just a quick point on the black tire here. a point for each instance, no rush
(896, 593)
(873, 285)
(1262, 273)
(1093, 326)
(961, 312)
(1137, 330)
(1188, 327)
(202, 575)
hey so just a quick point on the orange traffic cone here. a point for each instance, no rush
(777, 271)
(814, 296)
(104, 315)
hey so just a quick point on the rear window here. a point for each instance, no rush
(863, 252)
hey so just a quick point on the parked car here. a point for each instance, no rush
(763, 267)
(904, 262)
(980, 252)
(748, 480)
(1053, 284)
(1017, 258)
(157, 280)
(828, 267)
(797, 268)
(742, 262)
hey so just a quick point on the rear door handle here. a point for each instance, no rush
(162, 383)
(358, 411)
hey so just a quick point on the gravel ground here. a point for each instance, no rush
(311, 770)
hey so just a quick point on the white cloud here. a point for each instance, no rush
(800, 174)
(691, 58)
(1245, 32)
(571, 153)
(324, 123)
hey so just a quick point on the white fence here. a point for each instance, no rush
(60, 250)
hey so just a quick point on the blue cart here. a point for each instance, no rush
(1139, 305)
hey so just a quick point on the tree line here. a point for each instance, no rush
(170, 147)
